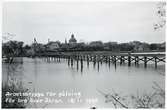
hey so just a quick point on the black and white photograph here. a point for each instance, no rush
(93, 55)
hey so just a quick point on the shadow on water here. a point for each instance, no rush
(94, 64)
(88, 64)
(98, 66)
(81, 65)
(77, 65)
(13, 84)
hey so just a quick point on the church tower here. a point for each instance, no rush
(72, 40)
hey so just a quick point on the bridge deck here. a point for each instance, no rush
(104, 53)
(109, 57)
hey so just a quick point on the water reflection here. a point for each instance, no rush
(81, 65)
(12, 82)
(98, 66)
(77, 65)
(35, 79)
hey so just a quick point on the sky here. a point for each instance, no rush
(88, 21)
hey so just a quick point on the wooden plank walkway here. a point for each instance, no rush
(108, 57)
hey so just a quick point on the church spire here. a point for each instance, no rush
(65, 41)
(35, 41)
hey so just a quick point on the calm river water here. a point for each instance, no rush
(39, 75)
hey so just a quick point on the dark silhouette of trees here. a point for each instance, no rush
(111, 46)
(12, 48)
(126, 47)
(96, 45)
(153, 46)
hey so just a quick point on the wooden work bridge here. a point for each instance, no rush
(108, 57)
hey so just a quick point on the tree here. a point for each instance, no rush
(153, 46)
(12, 48)
(112, 46)
(161, 12)
(27, 47)
(96, 45)
(126, 47)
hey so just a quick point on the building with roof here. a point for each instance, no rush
(72, 40)
(53, 46)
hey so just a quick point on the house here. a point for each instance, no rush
(96, 44)
(141, 47)
(53, 46)
(111, 46)
(162, 46)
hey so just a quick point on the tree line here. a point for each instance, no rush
(18, 48)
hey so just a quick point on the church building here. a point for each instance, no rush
(72, 40)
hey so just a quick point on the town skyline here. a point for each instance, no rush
(113, 21)
(66, 40)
